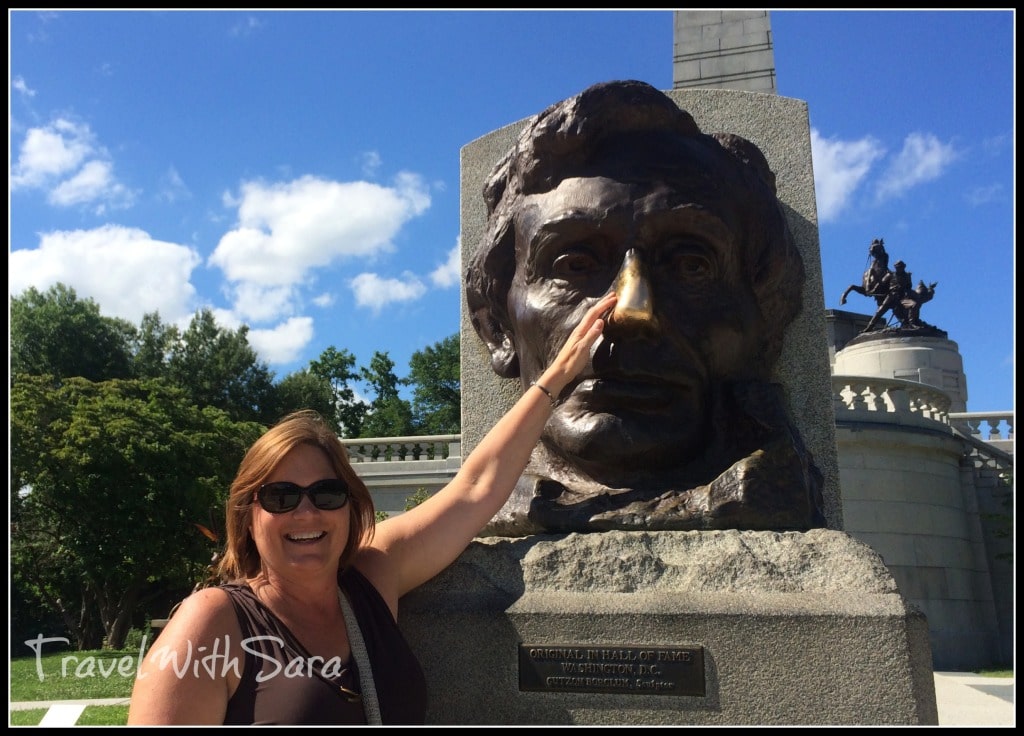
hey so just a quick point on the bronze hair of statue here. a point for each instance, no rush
(675, 424)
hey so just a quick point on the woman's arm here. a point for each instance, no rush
(413, 547)
(173, 686)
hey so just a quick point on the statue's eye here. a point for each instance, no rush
(693, 266)
(689, 262)
(575, 263)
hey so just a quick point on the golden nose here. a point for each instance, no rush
(635, 305)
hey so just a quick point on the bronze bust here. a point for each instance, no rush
(675, 424)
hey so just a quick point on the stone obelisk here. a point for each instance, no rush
(723, 49)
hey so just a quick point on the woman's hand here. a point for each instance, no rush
(575, 353)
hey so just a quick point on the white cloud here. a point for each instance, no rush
(50, 152)
(324, 300)
(370, 164)
(997, 145)
(124, 270)
(21, 87)
(412, 189)
(284, 343)
(923, 158)
(255, 303)
(64, 159)
(94, 182)
(840, 167)
(245, 27)
(172, 187)
(983, 195)
(286, 230)
(450, 272)
(226, 318)
(375, 292)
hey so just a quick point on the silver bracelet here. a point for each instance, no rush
(554, 401)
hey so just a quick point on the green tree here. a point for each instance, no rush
(389, 417)
(57, 333)
(153, 346)
(389, 414)
(337, 367)
(218, 368)
(435, 374)
(304, 389)
(109, 480)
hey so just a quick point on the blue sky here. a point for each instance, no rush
(298, 172)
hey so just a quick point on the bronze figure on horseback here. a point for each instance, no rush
(891, 290)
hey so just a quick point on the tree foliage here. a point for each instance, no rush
(435, 373)
(153, 344)
(57, 333)
(109, 480)
(304, 389)
(389, 414)
(218, 368)
(337, 367)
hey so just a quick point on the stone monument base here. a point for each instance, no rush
(909, 355)
(688, 628)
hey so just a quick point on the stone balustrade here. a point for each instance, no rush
(890, 401)
(988, 426)
(986, 443)
(393, 449)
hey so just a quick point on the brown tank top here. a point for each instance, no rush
(282, 683)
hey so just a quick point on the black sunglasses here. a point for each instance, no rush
(281, 497)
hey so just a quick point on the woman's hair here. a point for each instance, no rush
(241, 559)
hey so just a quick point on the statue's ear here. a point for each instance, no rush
(496, 337)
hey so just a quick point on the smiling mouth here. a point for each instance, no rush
(306, 537)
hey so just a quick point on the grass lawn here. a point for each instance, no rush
(74, 675)
(93, 715)
(996, 673)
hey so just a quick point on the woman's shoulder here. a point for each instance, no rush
(214, 596)
(205, 608)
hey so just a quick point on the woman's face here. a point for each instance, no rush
(307, 540)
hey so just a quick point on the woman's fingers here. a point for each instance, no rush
(596, 312)
(587, 332)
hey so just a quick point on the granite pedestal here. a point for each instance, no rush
(610, 628)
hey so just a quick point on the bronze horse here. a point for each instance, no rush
(871, 284)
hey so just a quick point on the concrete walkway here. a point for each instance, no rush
(963, 698)
(967, 699)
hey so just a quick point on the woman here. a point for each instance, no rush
(274, 642)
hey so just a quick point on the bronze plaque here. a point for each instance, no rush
(604, 668)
